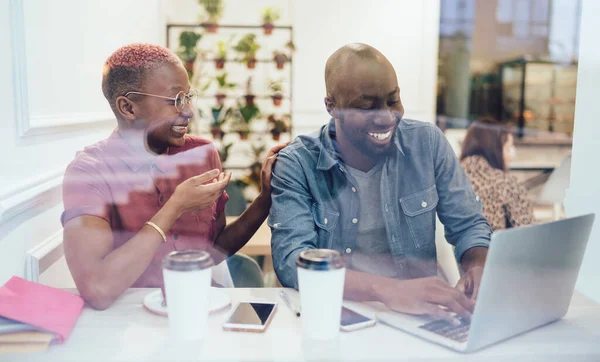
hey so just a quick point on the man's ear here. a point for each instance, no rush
(330, 106)
(126, 108)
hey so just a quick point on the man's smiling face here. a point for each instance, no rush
(366, 102)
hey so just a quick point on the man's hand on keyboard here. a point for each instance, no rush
(426, 296)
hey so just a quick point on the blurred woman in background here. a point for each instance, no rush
(487, 151)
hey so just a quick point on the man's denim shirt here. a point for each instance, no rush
(316, 205)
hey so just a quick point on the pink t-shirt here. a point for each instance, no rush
(110, 180)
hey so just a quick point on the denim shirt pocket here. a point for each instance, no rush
(325, 220)
(419, 209)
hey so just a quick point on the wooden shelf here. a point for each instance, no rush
(243, 61)
(228, 29)
(228, 26)
(262, 96)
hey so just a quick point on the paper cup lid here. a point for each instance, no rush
(320, 259)
(187, 260)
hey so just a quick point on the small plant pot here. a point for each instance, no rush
(244, 135)
(220, 98)
(251, 63)
(276, 135)
(189, 65)
(277, 100)
(249, 99)
(220, 63)
(280, 64)
(268, 28)
(211, 27)
(217, 133)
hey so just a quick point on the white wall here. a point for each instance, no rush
(406, 31)
(563, 44)
(584, 191)
(51, 104)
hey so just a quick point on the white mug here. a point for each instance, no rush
(321, 275)
(187, 278)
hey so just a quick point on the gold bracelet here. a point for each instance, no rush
(157, 229)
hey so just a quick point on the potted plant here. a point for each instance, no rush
(279, 125)
(187, 50)
(270, 16)
(223, 85)
(252, 179)
(245, 115)
(214, 10)
(249, 95)
(224, 152)
(220, 116)
(280, 57)
(247, 47)
(276, 92)
(221, 54)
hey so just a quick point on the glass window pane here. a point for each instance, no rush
(469, 9)
(449, 9)
(504, 11)
(522, 8)
(447, 29)
(540, 11)
(521, 29)
(539, 30)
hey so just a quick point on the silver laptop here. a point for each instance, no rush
(528, 281)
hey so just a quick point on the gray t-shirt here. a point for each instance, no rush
(372, 252)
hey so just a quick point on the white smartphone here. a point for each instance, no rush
(352, 321)
(250, 317)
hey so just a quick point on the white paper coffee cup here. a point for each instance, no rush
(187, 276)
(321, 274)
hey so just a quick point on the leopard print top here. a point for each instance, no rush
(504, 200)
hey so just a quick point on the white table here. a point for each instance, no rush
(128, 332)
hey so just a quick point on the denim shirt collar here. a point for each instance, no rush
(329, 155)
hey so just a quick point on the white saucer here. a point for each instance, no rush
(218, 300)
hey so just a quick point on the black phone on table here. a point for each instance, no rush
(352, 321)
(250, 316)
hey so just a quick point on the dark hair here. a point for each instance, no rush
(486, 138)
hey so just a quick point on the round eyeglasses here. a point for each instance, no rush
(180, 101)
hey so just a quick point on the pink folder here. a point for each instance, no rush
(50, 309)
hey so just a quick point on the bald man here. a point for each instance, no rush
(369, 184)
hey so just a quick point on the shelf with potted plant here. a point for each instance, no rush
(221, 48)
(228, 26)
(282, 57)
(224, 85)
(278, 124)
(214, 11)
(242, 118)
(221, 96)
(242, 61)
(269, 16)
(187, 51)
(276, 88)
(247, 47)
(221, 56)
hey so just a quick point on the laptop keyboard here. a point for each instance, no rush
(446, 329)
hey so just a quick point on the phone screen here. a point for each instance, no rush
(349, 317)
(251, 313)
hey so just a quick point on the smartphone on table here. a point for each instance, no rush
(250, 316)
(352, 321)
